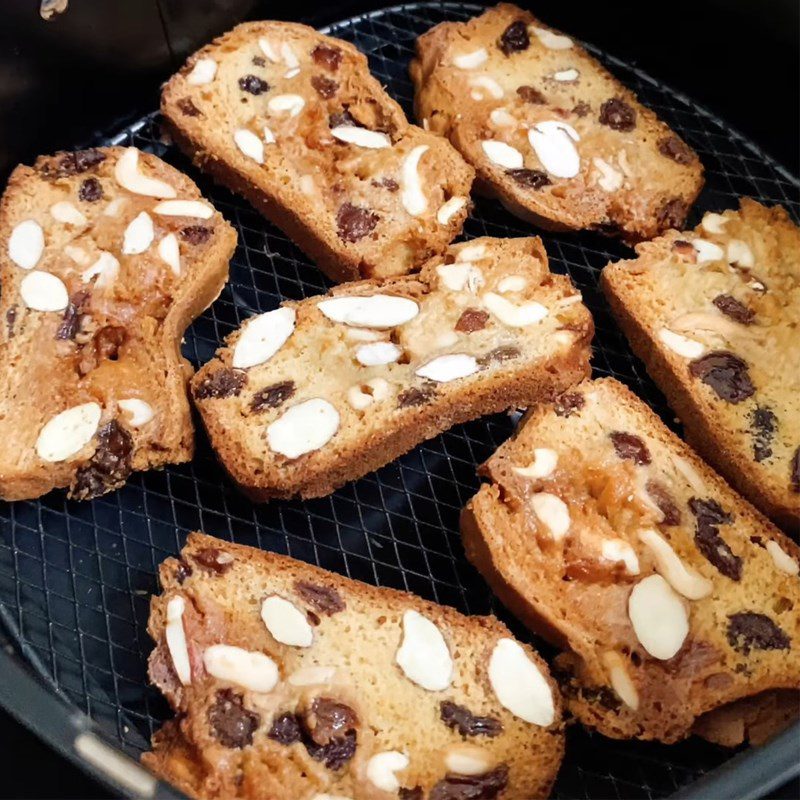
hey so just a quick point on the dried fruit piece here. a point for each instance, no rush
(568, 403)
(329, 732)
(515, 38)
(733, 308)
(709, 515)
(618, 115)
(326, 56)
(11, 318)
(749, 630)
(324, 599)
(285, 729)
(182, 571)
(581, 109)
(630, 447)
(196, 234)
(272, 396)
(325, 87)
(188, 108)
(415, 396)
(110, 465)
(222, 383)
(794, 472)
(530, 94)
(79, 161)
(676, 149)
(232, 725)
(665, 502)
(70, 321)
(471, 787)
(499, 355)
(214, 559)
(726, 374)
(467, 723)
(253, 84)
(763, 424)
(354, 223)
(90, 190)
(672, 214)
(471, 320)
(529, 178)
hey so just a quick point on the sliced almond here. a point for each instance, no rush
(249, 669)
(42, 291)
(449, 209)
(130, 177)
(169, 250)
(139, 412)
(138, 235)
(467, 759)
(377, 389)
(707, 251)
(471, 252)
(740, 254)
(68, 433)
(288, 55)
(176, 640)
(553, 142)
(262, 337)
(714, 223)
(566, 75)
(500, 118)
(203, 71)
(550, 39)
(471, 60)
(249, 144)
(423, 654)
(184, 208)
(411, 194)
(105, 269)
(114, 208)
(620, 680)
(494, 89)
(544, 463)
(378, 353)
(690, 474)
(291, 104)
(513, 315)
(379, 311)
(707, 321)
(619, 551)
(286, 623)
(512, 283)
(502, 154)
(458, 277)
(382, 769)
(77, 254)
(682, 345)
(312, 676)
(519, 684)
(610, 179)
(268, 50)
(26, 244)
(303, 428)
(66, 212)
(361, 137)
(782, 560)
(450, 367)
(658, 616)
(681, 578)
(552, 512)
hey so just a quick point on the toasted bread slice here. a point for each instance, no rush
(294, 121)
(670, 595)
(107, 255)
(290, 681)
(714, 314)
(319, 392)
(556, 138)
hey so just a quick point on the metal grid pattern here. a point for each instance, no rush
(75, 578)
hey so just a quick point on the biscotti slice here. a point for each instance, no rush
(316, 393)
(289, 681)
(670, 595)
(106, 256)
(715, 315)
(294, 121)
(556, 138)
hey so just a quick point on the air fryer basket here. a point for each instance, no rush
(75, 578)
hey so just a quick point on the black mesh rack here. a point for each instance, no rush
(75, 578)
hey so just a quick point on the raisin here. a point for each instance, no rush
(471, 320)
(581, 109)
(618, 115)
(568, 403)
(222, 383)
(499, 355)
(390, 184)
(110, 465)
(471, 787)
(415, 397)
(763, 424)
(726, 374)
(328, 57)
(734, 309)
(794, 472)
(676, 149)
(232, 725)
(214, 559)
(329, 733)
(666, 504)
(749, 630)
(90, 190)
(342, 118)
(187, 107)
(325, 87)
(467, 724)
(76, 162)
(272, 396)
(324, 599)
(196, 234)
(259, 61)
(630, 447)
(285, 729)
(72, 315)
(709, 514)
(531, 94)
(672, 214)
(410, 794)
(515, 38)
(108, 341)
(354, 223)
(182, 571)
(11, 318)
(529, 178)
(253, 84)
(685, 249)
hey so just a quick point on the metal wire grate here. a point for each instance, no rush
(75, 578)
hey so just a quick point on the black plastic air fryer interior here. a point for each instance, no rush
(75, 578)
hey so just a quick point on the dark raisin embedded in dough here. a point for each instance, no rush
(68, 326)
(222, 383)
(471, 787)
(285, 729)
(354, 222)
(568, 403)
(325, 87)
(326, 56)
(529, 178)
(253, 84)
(661, 496)
(581, 109)
(471, 320)
(749, 630)
(182, 571)
(80, 161)
(272, 396)
(324, 599)
(672, 214)
(329, 732)
(259, 61)
(676, 149)
(515, 38)
(733, 308)
(726, 374)
(794, 472)
(11, 318)
(530, 94)
(390, 184)
(214, 559)
(110, 465)
(91, 190)
(467, 723)
(630, 447)
(499, 355)
(410, 794)
(686, 249)
(108, 341)
(618, 115)
(187, 107)
(196, 234)
(415, 396)
(232, 725)
(343, 118)
(709, 515)
(763, 424)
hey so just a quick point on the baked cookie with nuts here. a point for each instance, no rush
(290, 681)
(106, 256)
(715, 315)
(319, 392)
(556, 138)
(674, 601)
(294, 121)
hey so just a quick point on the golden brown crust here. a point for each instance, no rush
(577, 596)
(358, 640)
(648, 179)
(725, 433)
(113, 343)
(307, 175)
